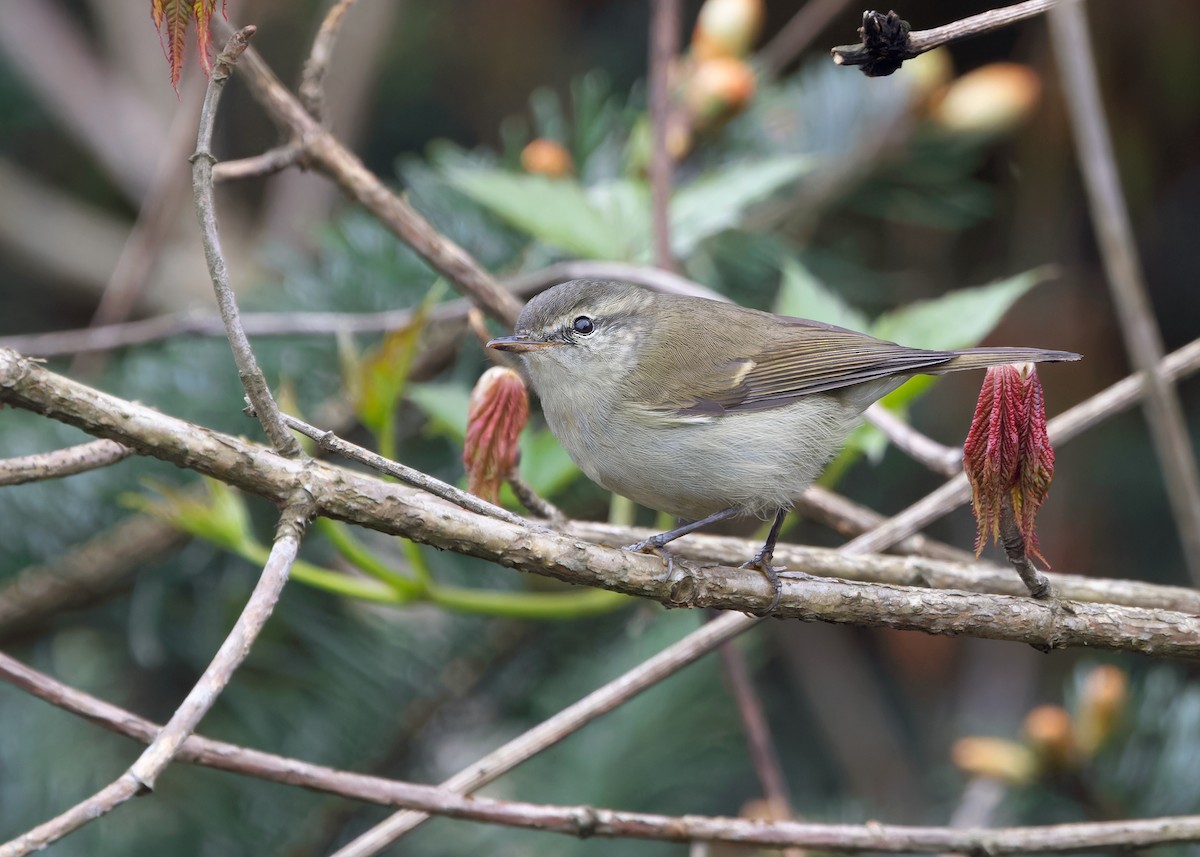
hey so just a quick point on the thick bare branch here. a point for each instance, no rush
(400, 510)
(1168, 429)
(144, 772)
(921, 571)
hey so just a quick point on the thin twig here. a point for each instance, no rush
(1168, 429)
(330, 442)
(1017, 552)
(146, 331)
(850, 519)
(941, 459)
(566, 722)
(144, 772)
(202, 185)
(584, 820)
(887, 43)
(795, 36)
(664, 45)
(62, 462)
(268, 163)
(167, 327)
(761, 745)
(534, 502)
(312, 78)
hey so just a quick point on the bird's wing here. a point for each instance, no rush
(799, 358)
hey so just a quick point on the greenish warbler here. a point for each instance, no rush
(706, 410)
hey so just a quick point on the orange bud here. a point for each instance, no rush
(717, 89)
(1050, 734)
(727, 28)
(497, 412)
(1007, 455)
(995, 757)
(1101, 705)
(544, 157)
(993, 99)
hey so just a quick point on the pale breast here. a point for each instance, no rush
(693, 466)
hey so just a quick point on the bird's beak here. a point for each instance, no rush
(521, 343)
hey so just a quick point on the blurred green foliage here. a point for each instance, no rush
(789, 199)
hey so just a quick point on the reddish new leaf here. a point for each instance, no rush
(1007, 454)
(172, 19)
(496, 414)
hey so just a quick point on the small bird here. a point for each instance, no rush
(706, 410)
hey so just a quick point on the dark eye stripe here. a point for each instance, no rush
(583, 325)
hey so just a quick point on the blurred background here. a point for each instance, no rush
(802, 187)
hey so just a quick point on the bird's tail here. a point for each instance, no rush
(981, 358)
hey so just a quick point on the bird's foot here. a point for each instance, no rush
(762, 562)
(653, 545)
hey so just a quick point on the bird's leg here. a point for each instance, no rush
(654, 544)
(762, 561)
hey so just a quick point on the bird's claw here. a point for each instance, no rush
(763, 564)
(653, 547)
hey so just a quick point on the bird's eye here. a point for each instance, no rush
(583, 325)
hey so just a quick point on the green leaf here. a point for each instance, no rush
(382, 375)
(545, 465)
(959, 319)
(803, 295)
(218, 514)
(625, 206)
(555, 211)
(719, 201)
(446, 407)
